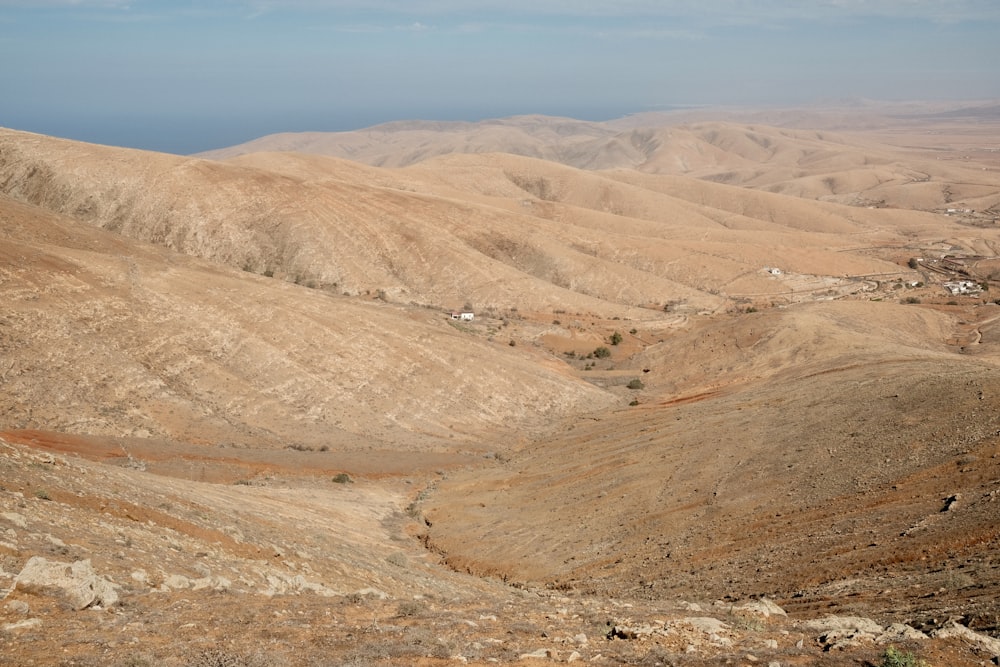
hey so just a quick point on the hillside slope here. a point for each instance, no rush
(103, 335)
(839, 459)
(496, 231)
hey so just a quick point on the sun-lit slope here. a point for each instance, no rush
(494, 230)
(847, 169)
(854, 169)
(337, 234)
(828, 458)
(501, 239)
(102, 335)
(713, 354)
(403, 143)
(703, 235)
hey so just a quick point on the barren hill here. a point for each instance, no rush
(914, 156)
(237, 414)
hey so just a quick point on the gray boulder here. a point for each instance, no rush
(77, 582)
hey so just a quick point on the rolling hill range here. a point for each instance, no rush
(904, 156)
(707, 374)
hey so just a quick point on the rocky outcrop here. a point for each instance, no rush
(988, 644)
(75, 582)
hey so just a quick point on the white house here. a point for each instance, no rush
(465, 315)
(962, 287)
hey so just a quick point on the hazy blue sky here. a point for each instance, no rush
(185, 75)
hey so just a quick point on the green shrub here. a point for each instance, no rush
(635, 383)
(342, 478)
(893, 657)
(616, 338)
(602, 352)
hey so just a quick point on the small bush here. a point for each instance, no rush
(635, 383)
(616, 338)
(911, 299)
(893, 657)
(224, 658)
(397, 558)
(633, 331)
(411, 608)
(602, 352)
(634, 402)
(42, 494)
(342, 478)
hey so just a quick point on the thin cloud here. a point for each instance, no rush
(717, 10)
(763, 12)
(66, 4)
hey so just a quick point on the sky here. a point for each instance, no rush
(183, 76)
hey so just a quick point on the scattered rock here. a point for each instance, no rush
(707, 624)
(950, 502)
(22, 625)
(849, 623)
(77, 582)
(372, 592)
(763, 607)
(842, 632)
(631, 631)
(989, 644)
(18, 607)
(540, 654)
(898, 632)
(15, 518)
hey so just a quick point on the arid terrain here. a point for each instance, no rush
(730, 394)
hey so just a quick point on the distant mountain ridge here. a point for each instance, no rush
(768, 150)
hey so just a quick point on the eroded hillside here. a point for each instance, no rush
(234, 404)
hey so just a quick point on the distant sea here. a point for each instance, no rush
(192, 134)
